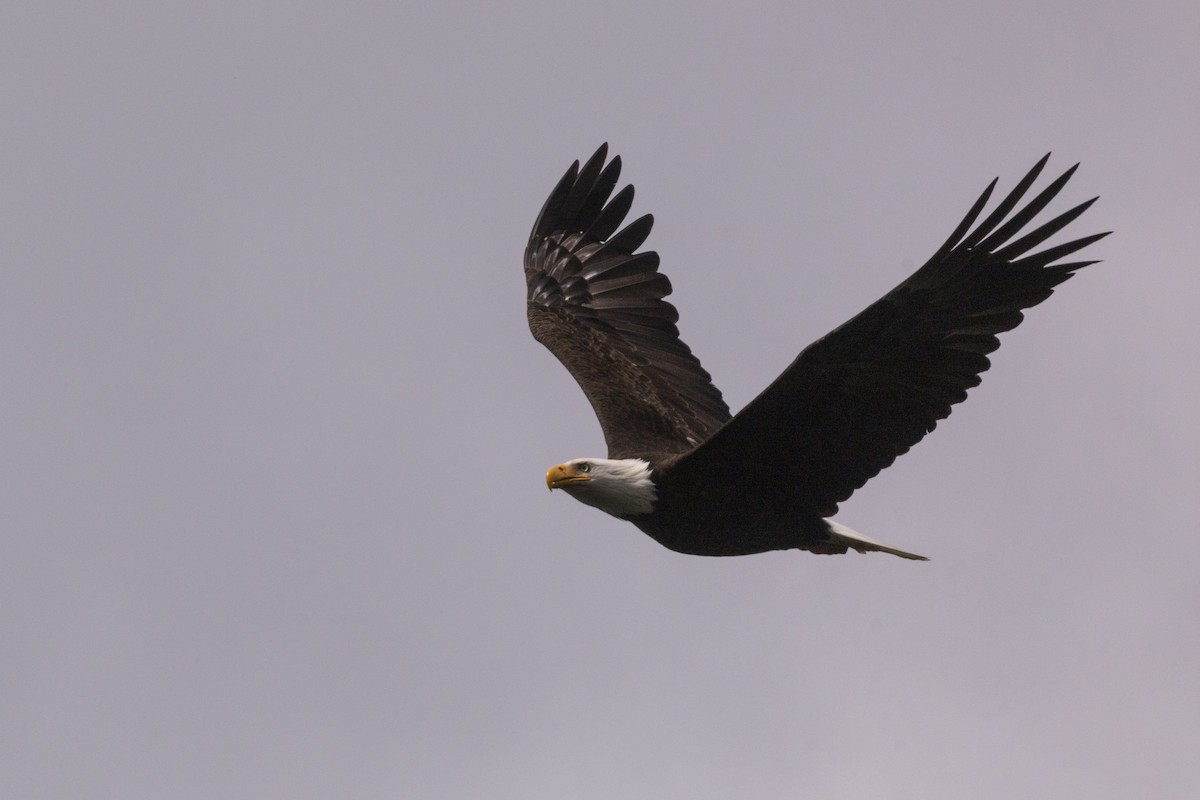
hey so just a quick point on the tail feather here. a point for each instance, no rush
(863, 543)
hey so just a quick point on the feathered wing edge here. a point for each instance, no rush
(855, 400)
(599, 306)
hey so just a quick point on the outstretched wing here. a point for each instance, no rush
(864, 394)
(598, 305)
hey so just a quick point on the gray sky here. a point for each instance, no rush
(275, 432)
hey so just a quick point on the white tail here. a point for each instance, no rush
(863, 543)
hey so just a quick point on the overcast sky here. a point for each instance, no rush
(274, 430)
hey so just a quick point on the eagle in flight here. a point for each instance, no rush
(702, 481)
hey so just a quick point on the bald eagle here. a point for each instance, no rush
(703, 482)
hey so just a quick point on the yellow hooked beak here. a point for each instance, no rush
(561, 475)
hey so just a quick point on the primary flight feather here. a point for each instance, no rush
(701, 481)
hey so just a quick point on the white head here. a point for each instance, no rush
(621, 487)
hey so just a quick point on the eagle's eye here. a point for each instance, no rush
(584, 467)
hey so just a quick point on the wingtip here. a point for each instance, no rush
(602, 154)
(1032, 175)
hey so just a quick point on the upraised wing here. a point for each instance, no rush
(864, 394)
(598, 305)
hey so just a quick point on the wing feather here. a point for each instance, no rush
(598, 305)
(858, 398)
